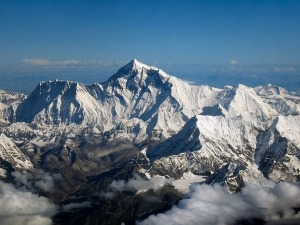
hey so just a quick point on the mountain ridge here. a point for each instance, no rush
(117, 138)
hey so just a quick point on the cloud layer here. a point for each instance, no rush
(40, 180)
(211, 205)
(19, 207)
(42, 62)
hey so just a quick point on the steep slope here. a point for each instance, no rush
(11, 154)
(278, 152)
(209, 142)
(140, 102)
(279, 99)
(8, 105)
(244, 102)
(59, 102)
(162, 101)
(138, 91)
(142, 123)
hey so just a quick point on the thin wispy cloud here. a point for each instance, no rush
(233, 62)
(47, 62)
(284, 69)
(36, 62)
(42, 62)
(72, 206)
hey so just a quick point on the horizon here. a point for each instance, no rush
(212, 75)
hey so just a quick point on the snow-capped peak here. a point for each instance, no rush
(271, 90)
(135, 64)
(138, 65)
(135, 69)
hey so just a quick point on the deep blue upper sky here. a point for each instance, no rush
(81, 35)
(154, 31)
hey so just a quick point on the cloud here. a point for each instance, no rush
(41, 62)
(70, 62)
(45, 181)
(36, 62)
(40, 180)
(22, 179)
(139, 184)
(71, 206)
(233, 62)
(284, 69)
(20, 207)
(136, 184)
(47, 62)
(210, 205)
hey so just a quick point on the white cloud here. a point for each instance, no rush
(233, 62)
(136, 184)
(36, 61)
(210, 205)
(22, 179)
(139, 184)
(23, 207)
(45, 181)
(47, 62)
(71, 206)
(284, 69)
(41, 62)
(70, 62)
(39, 179)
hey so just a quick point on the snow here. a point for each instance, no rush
(207, 126)
(289, 127)
(12, 154)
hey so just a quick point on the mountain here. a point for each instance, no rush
(206, 143)
(199, 126)
(59, 102)
(279, 99)
(141, 138)
(8, 104)
(10, 153)
(164, 103)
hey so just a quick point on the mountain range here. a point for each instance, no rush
(143, 126)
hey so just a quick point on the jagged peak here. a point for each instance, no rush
(56, 81)
(134, 64)
(139, 65)
(58, 85)
(230, 92)
(241, 87)
(273, 89)
(135, 67)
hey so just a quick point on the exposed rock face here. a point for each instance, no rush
(146, 122)
(230, 176)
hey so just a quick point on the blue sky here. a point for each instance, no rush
(208, 32)
(78, 35)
